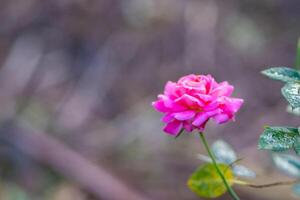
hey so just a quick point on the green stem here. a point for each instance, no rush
(298, 55)
(229, 189)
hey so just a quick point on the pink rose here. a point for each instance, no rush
(193, 100)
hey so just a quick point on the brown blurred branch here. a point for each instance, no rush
(47, 150)
(281, 183)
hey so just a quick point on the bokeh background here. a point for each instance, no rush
(77, 78)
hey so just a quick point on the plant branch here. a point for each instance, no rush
(46, 150)
(273, 184)
(230, 190)
(280, 183)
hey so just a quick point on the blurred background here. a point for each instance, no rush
(77, 78)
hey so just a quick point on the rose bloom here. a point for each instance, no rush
(193, 100)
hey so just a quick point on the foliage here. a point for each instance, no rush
(292, 79)
(289, 165)
(284, 138)
(291, 92)
(225, 154)
(206, 182)
(278, 139)
(283, 74)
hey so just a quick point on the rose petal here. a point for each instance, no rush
(171, 89)
(167, 101)
(223, 89)
(160, 106)
(204, 97)
(221, 118)
(230, 105)
(235, 104)
(189, 101)
(173, 128)
(209, 82)
(202, 117)
(165, 104)
(211, 106)
(185, 115)
(188, 126)
(167, 118)
(191, 77)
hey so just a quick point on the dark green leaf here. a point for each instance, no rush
(291, 92)
(284, 74)
(206, 182)
(278, 138)
(297, 145)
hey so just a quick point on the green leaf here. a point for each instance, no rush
(297, 145)
(278, 138)
(237, 170)
(223, 152)
(291, 92)
(206, 182)
(284, 74)
(288, 164)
